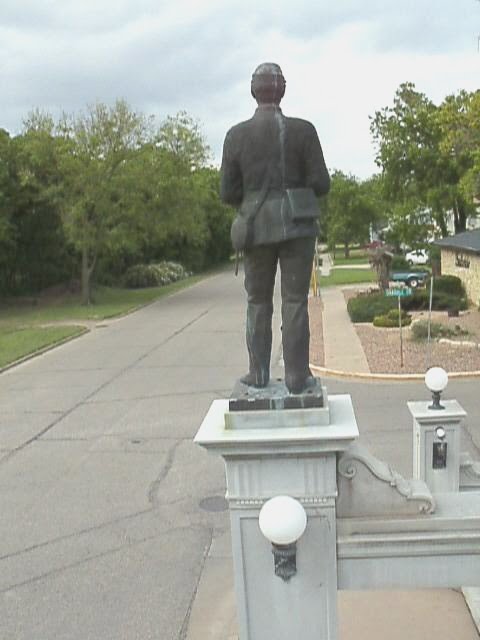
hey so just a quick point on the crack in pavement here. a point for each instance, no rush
(178, 394)
(155, 485)
(63, 415)
(152, 495)
(98, 556)
(75, 534)
(153, 500)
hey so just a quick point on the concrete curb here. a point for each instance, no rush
(399, 377)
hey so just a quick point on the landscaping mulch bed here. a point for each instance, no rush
(382, 346)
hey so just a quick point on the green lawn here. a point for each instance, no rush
(347, 276)
(21, 330)
(15, 343)
(360, 258)
(107, 303)
(358, 255)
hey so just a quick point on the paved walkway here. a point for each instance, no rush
(342, 346)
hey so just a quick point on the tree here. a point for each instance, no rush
(96, 151)
(112, 191)
(182, 137)
(350, 210)
(217, 216)
(422, 178)
(7, 230)
(459, 121)
(172, 197)
(34, 252)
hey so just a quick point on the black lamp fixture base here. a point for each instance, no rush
(285, 560)
(436, 401)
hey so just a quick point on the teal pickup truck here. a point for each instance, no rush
(412, 279)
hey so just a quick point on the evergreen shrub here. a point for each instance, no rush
(390, 319)
(364, 308)
(448, 284)
(441, 301)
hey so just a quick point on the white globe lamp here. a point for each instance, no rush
(282, 521)
(436, 379)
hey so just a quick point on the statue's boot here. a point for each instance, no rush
(296, 345)
(252, 379)
(299, 384)
(259, 344)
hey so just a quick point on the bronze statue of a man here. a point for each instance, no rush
(270, 165)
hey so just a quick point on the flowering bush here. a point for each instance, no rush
(154, 275)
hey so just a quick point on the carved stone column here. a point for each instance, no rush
(289, 452)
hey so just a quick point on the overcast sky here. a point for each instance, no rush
(342, 60)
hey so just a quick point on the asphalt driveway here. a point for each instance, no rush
(107, 508)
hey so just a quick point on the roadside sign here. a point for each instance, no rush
(399, 291)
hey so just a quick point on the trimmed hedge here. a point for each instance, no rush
(441, 301)
(153, 275)
(390, 319)
(451, 285)
(364, 307)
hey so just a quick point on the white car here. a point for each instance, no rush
(419, 256)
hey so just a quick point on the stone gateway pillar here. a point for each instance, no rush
(283, 453)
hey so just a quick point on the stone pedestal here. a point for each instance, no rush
(270, 453)
(438, 467)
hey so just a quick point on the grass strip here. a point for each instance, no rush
(21, 323)
(16, 343)
(347, 276)
(108, 302)
(357, 259)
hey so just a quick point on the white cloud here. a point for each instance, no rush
(342, 60)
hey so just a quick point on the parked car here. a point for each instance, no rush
(418, 256)
(410, 278)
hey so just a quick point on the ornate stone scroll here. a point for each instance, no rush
(368, 486)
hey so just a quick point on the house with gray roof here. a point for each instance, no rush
(460, 256)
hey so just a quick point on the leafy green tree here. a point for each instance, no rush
(95, 153)
(165, 196)
(217, 217)
(42, 248)
(350, 210)
(182, 137)
(34, 252)
(184, 219)
(422, 178)
(459, 121)
(109, 189)
(7, 229)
